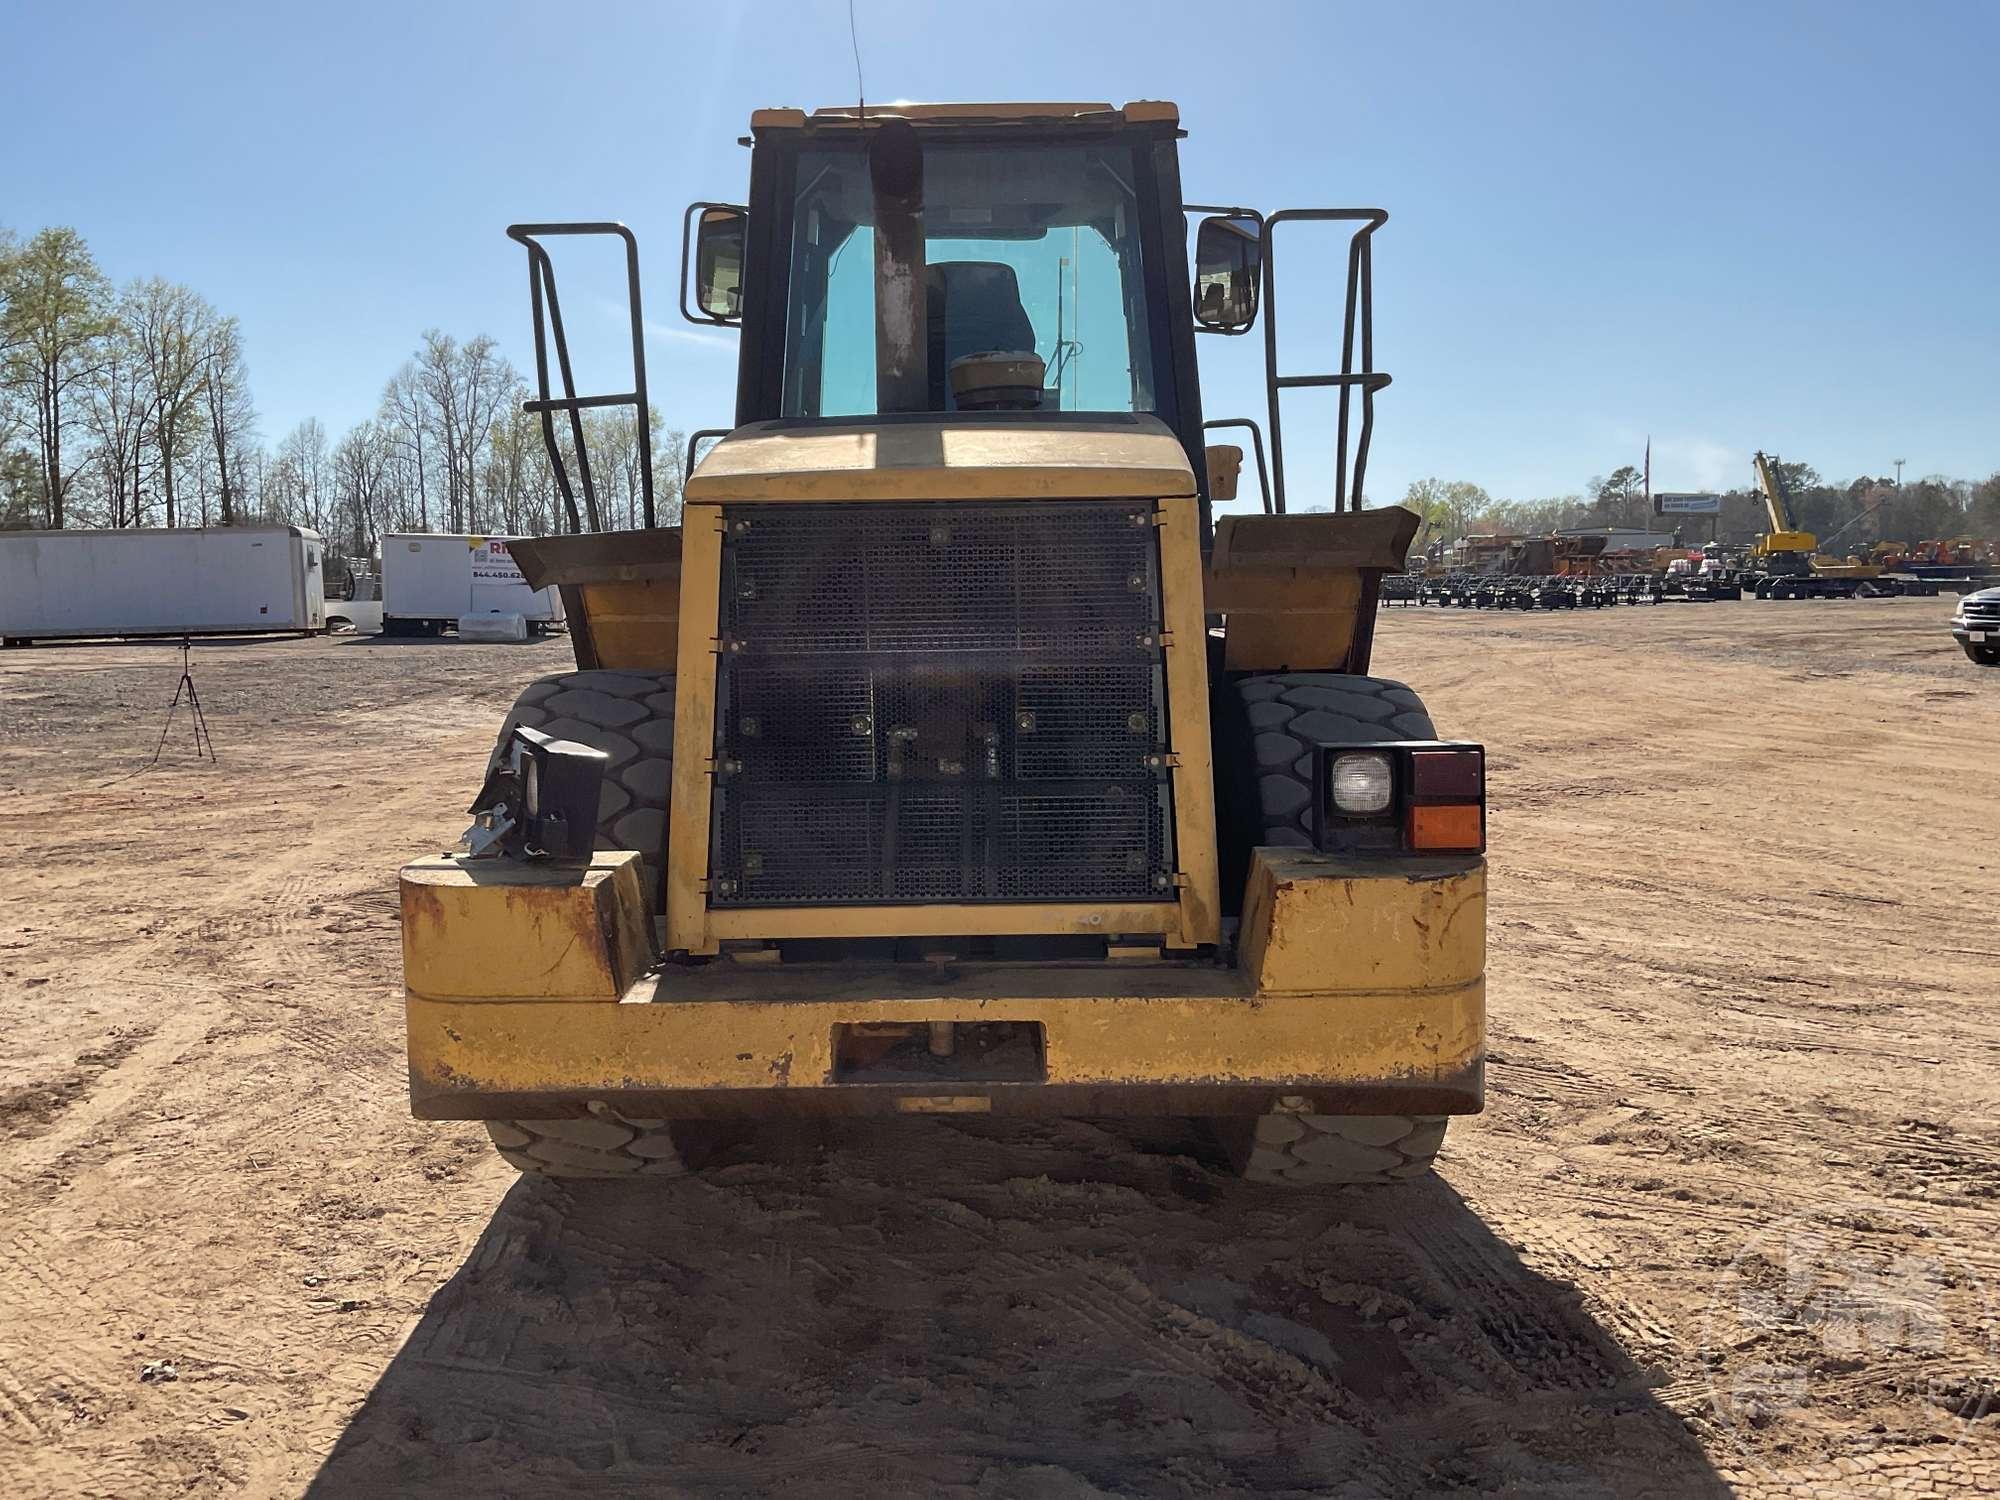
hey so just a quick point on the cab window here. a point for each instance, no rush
(1026, 251)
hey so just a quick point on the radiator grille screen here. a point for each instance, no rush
(940, 702)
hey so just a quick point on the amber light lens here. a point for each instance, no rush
(1447, 775)
(1456, 826)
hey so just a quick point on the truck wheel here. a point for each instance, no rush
(1986, 656)
(1264, 752)
(599, 1145)
(1300, 1150)
(630, 717)
(1265, 792)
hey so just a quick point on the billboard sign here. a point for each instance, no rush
(1686, 505)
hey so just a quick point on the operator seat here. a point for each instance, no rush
(972, 307)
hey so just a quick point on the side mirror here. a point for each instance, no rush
(1229, 264)
(719, 237)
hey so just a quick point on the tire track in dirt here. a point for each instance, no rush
(1015, 1307)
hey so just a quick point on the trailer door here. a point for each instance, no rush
(313, 585)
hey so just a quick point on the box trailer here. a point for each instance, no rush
(228, 580)
(430, 581)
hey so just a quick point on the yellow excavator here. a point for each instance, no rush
(954, 754)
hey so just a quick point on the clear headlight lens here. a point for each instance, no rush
(1363, 783)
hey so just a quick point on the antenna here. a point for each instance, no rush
(860, 90)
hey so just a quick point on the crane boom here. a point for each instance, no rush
(1777, 498)
(1783, 537)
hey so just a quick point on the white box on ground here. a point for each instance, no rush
(432, 580)
(492, 627)
(222, 580)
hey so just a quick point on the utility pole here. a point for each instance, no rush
(1899, 472)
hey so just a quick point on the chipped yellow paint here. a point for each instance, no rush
(634, 624)
(1351, 972)
(1200, 891)
(997, 918)
(497, 929)
(1291, 586)
(1223, 1037)
(1191, 919)
(1328, 923)
(944, 1104)
(694, 730)
(944, 459)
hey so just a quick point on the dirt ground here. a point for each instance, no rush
(1729, 1221)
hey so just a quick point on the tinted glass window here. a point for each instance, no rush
(1026, 249)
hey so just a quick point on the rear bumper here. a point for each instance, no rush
(1360, 989)
(1185, 1042)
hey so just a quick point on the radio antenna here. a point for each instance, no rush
(860, 90)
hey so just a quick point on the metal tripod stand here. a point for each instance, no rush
(204, 742)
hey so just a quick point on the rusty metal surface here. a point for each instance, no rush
(1358, 978)
(1353, 539)
(787, 1040)
(1462, 1093)
(599, 557)
(1309, 917)
(1300, 591)
(500, 929)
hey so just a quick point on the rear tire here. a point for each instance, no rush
(1264, 741)
(1287, 1149)
(1265, 749)
(630, 717)
(602, 1144)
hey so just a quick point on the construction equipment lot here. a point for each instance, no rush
(1744, 986)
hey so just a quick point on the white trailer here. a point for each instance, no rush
(356, 604)
(229, 580)
(431, 580)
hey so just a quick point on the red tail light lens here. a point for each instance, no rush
(1447, 775)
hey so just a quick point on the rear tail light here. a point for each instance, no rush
(1455, 827)
(1415, 796)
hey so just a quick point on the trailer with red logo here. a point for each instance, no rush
(431, 581)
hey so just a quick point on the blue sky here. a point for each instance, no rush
(1729, 226)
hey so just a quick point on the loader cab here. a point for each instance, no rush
(1023, 261)
(1004, 263)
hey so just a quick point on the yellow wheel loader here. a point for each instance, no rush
(954, 754)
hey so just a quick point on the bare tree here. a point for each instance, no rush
(406, 415)
(464, 386)
(361, 467)
(170, 323)
(225, 394)
(115, 410)
(516, 472)
(56, 316)
(298, 478)
(669, 456)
